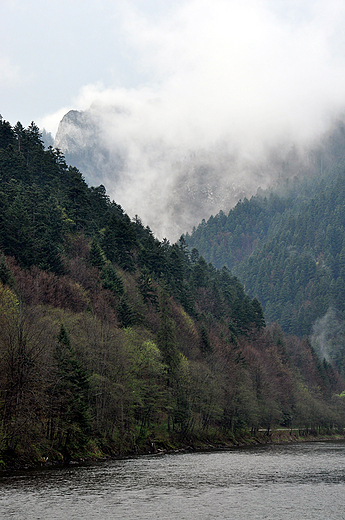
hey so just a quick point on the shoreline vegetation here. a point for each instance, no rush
(172, 445)
(113, 343)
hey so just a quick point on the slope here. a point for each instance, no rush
(288, 249)
(114, 342)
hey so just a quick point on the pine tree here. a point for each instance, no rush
(70, 391)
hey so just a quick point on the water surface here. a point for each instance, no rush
(295, 481)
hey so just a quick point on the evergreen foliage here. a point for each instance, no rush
(112, 341)
(70, 390)
(288, 252)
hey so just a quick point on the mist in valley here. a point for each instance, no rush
(233, 96)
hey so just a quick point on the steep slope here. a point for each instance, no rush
(288, 250)
(114, 342)
(169, 188)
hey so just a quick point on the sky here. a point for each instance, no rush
(190, 75)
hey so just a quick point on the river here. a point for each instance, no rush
(294, 481)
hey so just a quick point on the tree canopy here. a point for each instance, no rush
(112, 341)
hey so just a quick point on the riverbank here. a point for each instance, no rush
(300, 481)
(98, 451)
(263, 437)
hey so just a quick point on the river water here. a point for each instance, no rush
(295, 481)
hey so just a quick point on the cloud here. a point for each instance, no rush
(328, 336)
(219, 80)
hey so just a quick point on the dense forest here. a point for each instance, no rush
(112, 341)
(289, 249)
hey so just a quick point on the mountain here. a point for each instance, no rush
(174, 183)
(170, 189)
(114, 342)
(80, 138)
(288, 249)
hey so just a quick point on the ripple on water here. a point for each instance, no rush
(301, 481)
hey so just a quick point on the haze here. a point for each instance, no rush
(180, 90)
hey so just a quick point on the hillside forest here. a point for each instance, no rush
(114, 342)
(288, 249)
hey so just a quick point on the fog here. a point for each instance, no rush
(328, 336)
(224, 85)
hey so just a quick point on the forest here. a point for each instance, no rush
(288, 248)
(113, 342)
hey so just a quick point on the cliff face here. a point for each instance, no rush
(75, 127)
(79, 137)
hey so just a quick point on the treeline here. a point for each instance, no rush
(112, 341)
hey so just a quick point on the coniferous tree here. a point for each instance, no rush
(70, 389)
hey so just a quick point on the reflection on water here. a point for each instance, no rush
(301, 481)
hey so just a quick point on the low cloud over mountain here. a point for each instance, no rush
(227, 92)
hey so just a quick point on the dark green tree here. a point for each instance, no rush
(71, 392)
(111, 280)
(96, 255)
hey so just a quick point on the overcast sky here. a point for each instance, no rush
(188, 74)
(235, 59)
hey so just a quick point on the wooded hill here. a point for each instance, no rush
(288, 249)
(114, 342)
